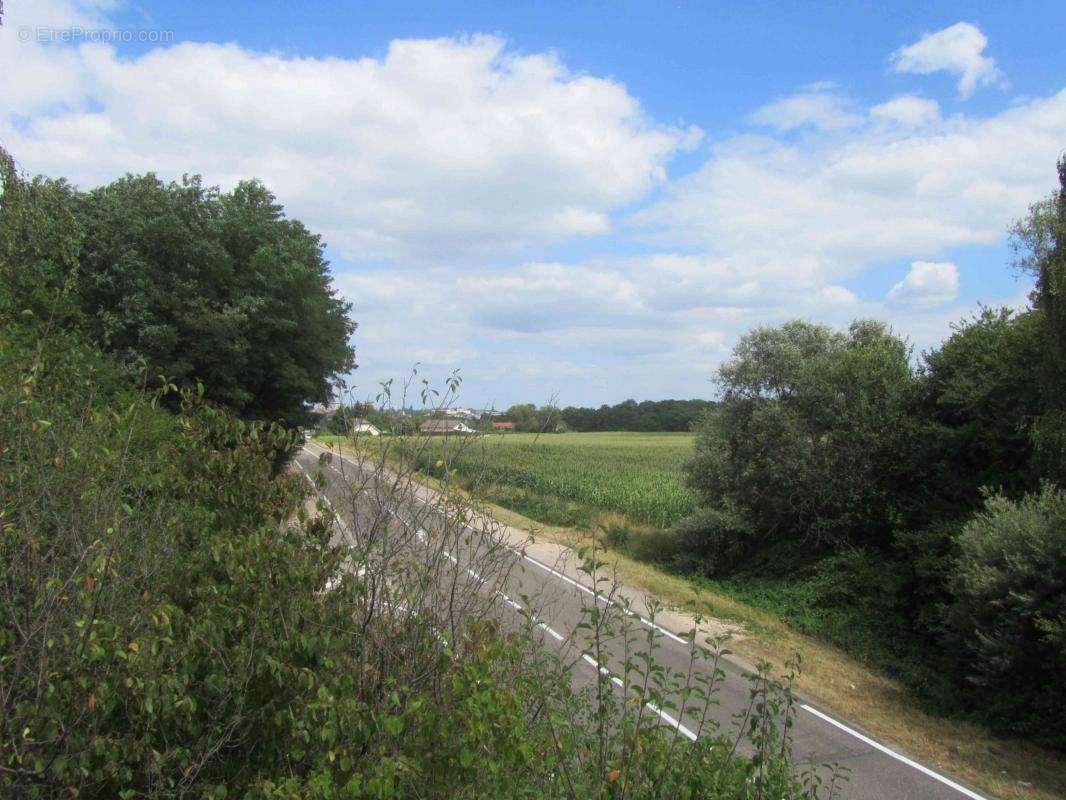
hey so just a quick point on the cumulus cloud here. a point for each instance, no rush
(928, 284)
(830, 207)
(442, 156)
(958, 49)
(440, 149)
(817, 107)
(839, 295)
(909, 111)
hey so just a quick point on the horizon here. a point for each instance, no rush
(580, 202)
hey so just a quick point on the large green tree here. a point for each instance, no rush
(39, 246)
(979, 389)
(214, 287)
(812, 437)
(1040, 240)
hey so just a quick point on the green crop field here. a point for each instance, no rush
(569, 478)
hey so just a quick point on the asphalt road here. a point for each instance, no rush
(875, 771)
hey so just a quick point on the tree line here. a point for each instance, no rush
(912, 511)
(648, 416)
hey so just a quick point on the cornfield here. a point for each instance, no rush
(636, 474)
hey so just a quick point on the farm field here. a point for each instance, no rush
(570, 478)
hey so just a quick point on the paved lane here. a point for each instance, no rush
(876, 772)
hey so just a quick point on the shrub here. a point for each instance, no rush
(712, 539)
(980, 389)
(812, 437)
(1010, 613)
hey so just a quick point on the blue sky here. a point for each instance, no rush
(594, 200)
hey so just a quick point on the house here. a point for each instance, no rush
(445, 426)
(502, 426)
(359, 425)
(459, 413)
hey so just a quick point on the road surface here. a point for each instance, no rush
(875, 771)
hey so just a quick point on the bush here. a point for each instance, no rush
(1010, 613)
(812, 438)
(979, 389)
(713, 539)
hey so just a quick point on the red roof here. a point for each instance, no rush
(503, 426)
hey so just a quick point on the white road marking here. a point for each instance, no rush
(889, 752)
(676, 723)
(600, 596)
(671, 720)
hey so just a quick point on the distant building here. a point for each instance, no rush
(502, 426)
(459, 413)
(359, 425)
(444, 426)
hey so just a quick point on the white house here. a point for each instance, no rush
(443, 426)
(459, 413)
(359, 425)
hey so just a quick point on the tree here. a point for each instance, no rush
(978, 388)
(39, 244)
(649, 415)
(1010, 613)
(812, 437)
(1040, 242)
(216, 288)
(524, 416)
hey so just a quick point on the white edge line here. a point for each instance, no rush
(329, 505)
(558, 636)
(889, 752)
(664, 715)
(606, 600)
(676, 723)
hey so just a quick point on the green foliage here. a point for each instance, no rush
(1010, 612)
(165, 631)
(647, 416)
(979, 390)
(1040, 243)
(811, 438)
(530, 419)
(210, 288)
(217, 288)
(39, 244)
(173, 622)
(713, 539)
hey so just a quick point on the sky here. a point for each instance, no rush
(586, 201)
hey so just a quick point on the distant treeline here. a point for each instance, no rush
(648, 416)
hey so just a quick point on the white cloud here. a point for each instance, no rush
(928, 284)
(440, 149)
(958, 49)
(829, 207)
(815, 107)
(839, 295)
(909, 111)
(441, 152)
